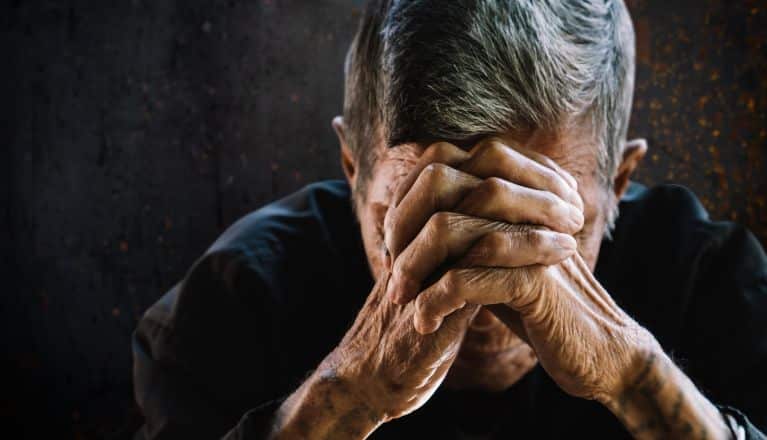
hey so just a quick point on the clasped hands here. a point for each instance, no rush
(492, 226)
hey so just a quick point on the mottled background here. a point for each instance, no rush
(138, 130)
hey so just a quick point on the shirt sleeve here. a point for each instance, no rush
(740, 427)
(256, 423)
(725, 327)
(200, 353)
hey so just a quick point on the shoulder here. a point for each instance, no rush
(659, 233)
(666, 253)
(276, 260)
(662, 209)
(669, 222)
(664, 224)
(701, 287)
(268, 271)
(289, 238)
(309, 213)
(277, 248)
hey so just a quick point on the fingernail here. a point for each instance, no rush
(565, 242)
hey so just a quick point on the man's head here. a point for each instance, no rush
(553, 75)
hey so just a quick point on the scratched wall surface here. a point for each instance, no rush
(138, 130)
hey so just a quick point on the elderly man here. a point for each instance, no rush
(472, 278)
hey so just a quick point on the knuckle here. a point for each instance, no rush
(428, 172)
(451, 281)
(561, 187)
(488, 247)
(491, 146)
(495, 147)
(493, 186)
(439, 223)
(435, 173)
(553, 166)
(526, 172)
(549, 175)
(495, 240)
(534, 239)
(552, 206)
(547, 254)
(482, 250)
(438, 151)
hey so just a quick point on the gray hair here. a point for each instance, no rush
(422, 70)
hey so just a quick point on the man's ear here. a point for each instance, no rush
(347, 158)
(632, 154)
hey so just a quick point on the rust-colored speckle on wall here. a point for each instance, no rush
(701, 101)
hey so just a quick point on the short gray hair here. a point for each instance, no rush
(422, 70)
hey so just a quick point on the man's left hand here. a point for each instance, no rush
(588, 345)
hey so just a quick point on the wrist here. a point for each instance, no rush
(659, 401)
(325, 406)
(646, 361)
(646, 366)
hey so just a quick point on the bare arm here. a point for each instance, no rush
(324, 407)
(381, 370)
(660, 401)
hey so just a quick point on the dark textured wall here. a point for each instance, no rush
(141, 129)
(701, 100)
(138, 130)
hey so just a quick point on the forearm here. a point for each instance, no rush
(323, 407)
(660, 401)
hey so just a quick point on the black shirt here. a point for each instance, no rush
(278, 290)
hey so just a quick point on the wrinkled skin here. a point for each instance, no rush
(474, 211)
(403, 369)
(475, 251)
(493, 357)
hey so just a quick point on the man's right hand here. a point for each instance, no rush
(382, 369)
(394, 369)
